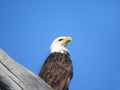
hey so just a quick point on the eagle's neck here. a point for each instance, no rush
(58, 48)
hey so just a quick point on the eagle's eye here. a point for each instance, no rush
(60, 39)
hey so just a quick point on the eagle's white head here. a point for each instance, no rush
(59, 44)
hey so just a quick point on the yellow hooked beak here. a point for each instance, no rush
(66, 40)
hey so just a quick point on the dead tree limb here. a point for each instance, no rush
(13, 76)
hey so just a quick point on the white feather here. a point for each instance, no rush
(57, 46)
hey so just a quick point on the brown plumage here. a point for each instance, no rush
(57, 71)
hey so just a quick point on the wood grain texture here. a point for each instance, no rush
(13, 76)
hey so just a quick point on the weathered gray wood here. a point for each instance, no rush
(13, 76)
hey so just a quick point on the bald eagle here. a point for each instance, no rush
(57, 70)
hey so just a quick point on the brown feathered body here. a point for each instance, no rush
(57, 70)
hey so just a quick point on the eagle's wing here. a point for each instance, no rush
(57, 71)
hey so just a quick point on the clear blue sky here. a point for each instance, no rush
(27, 28)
